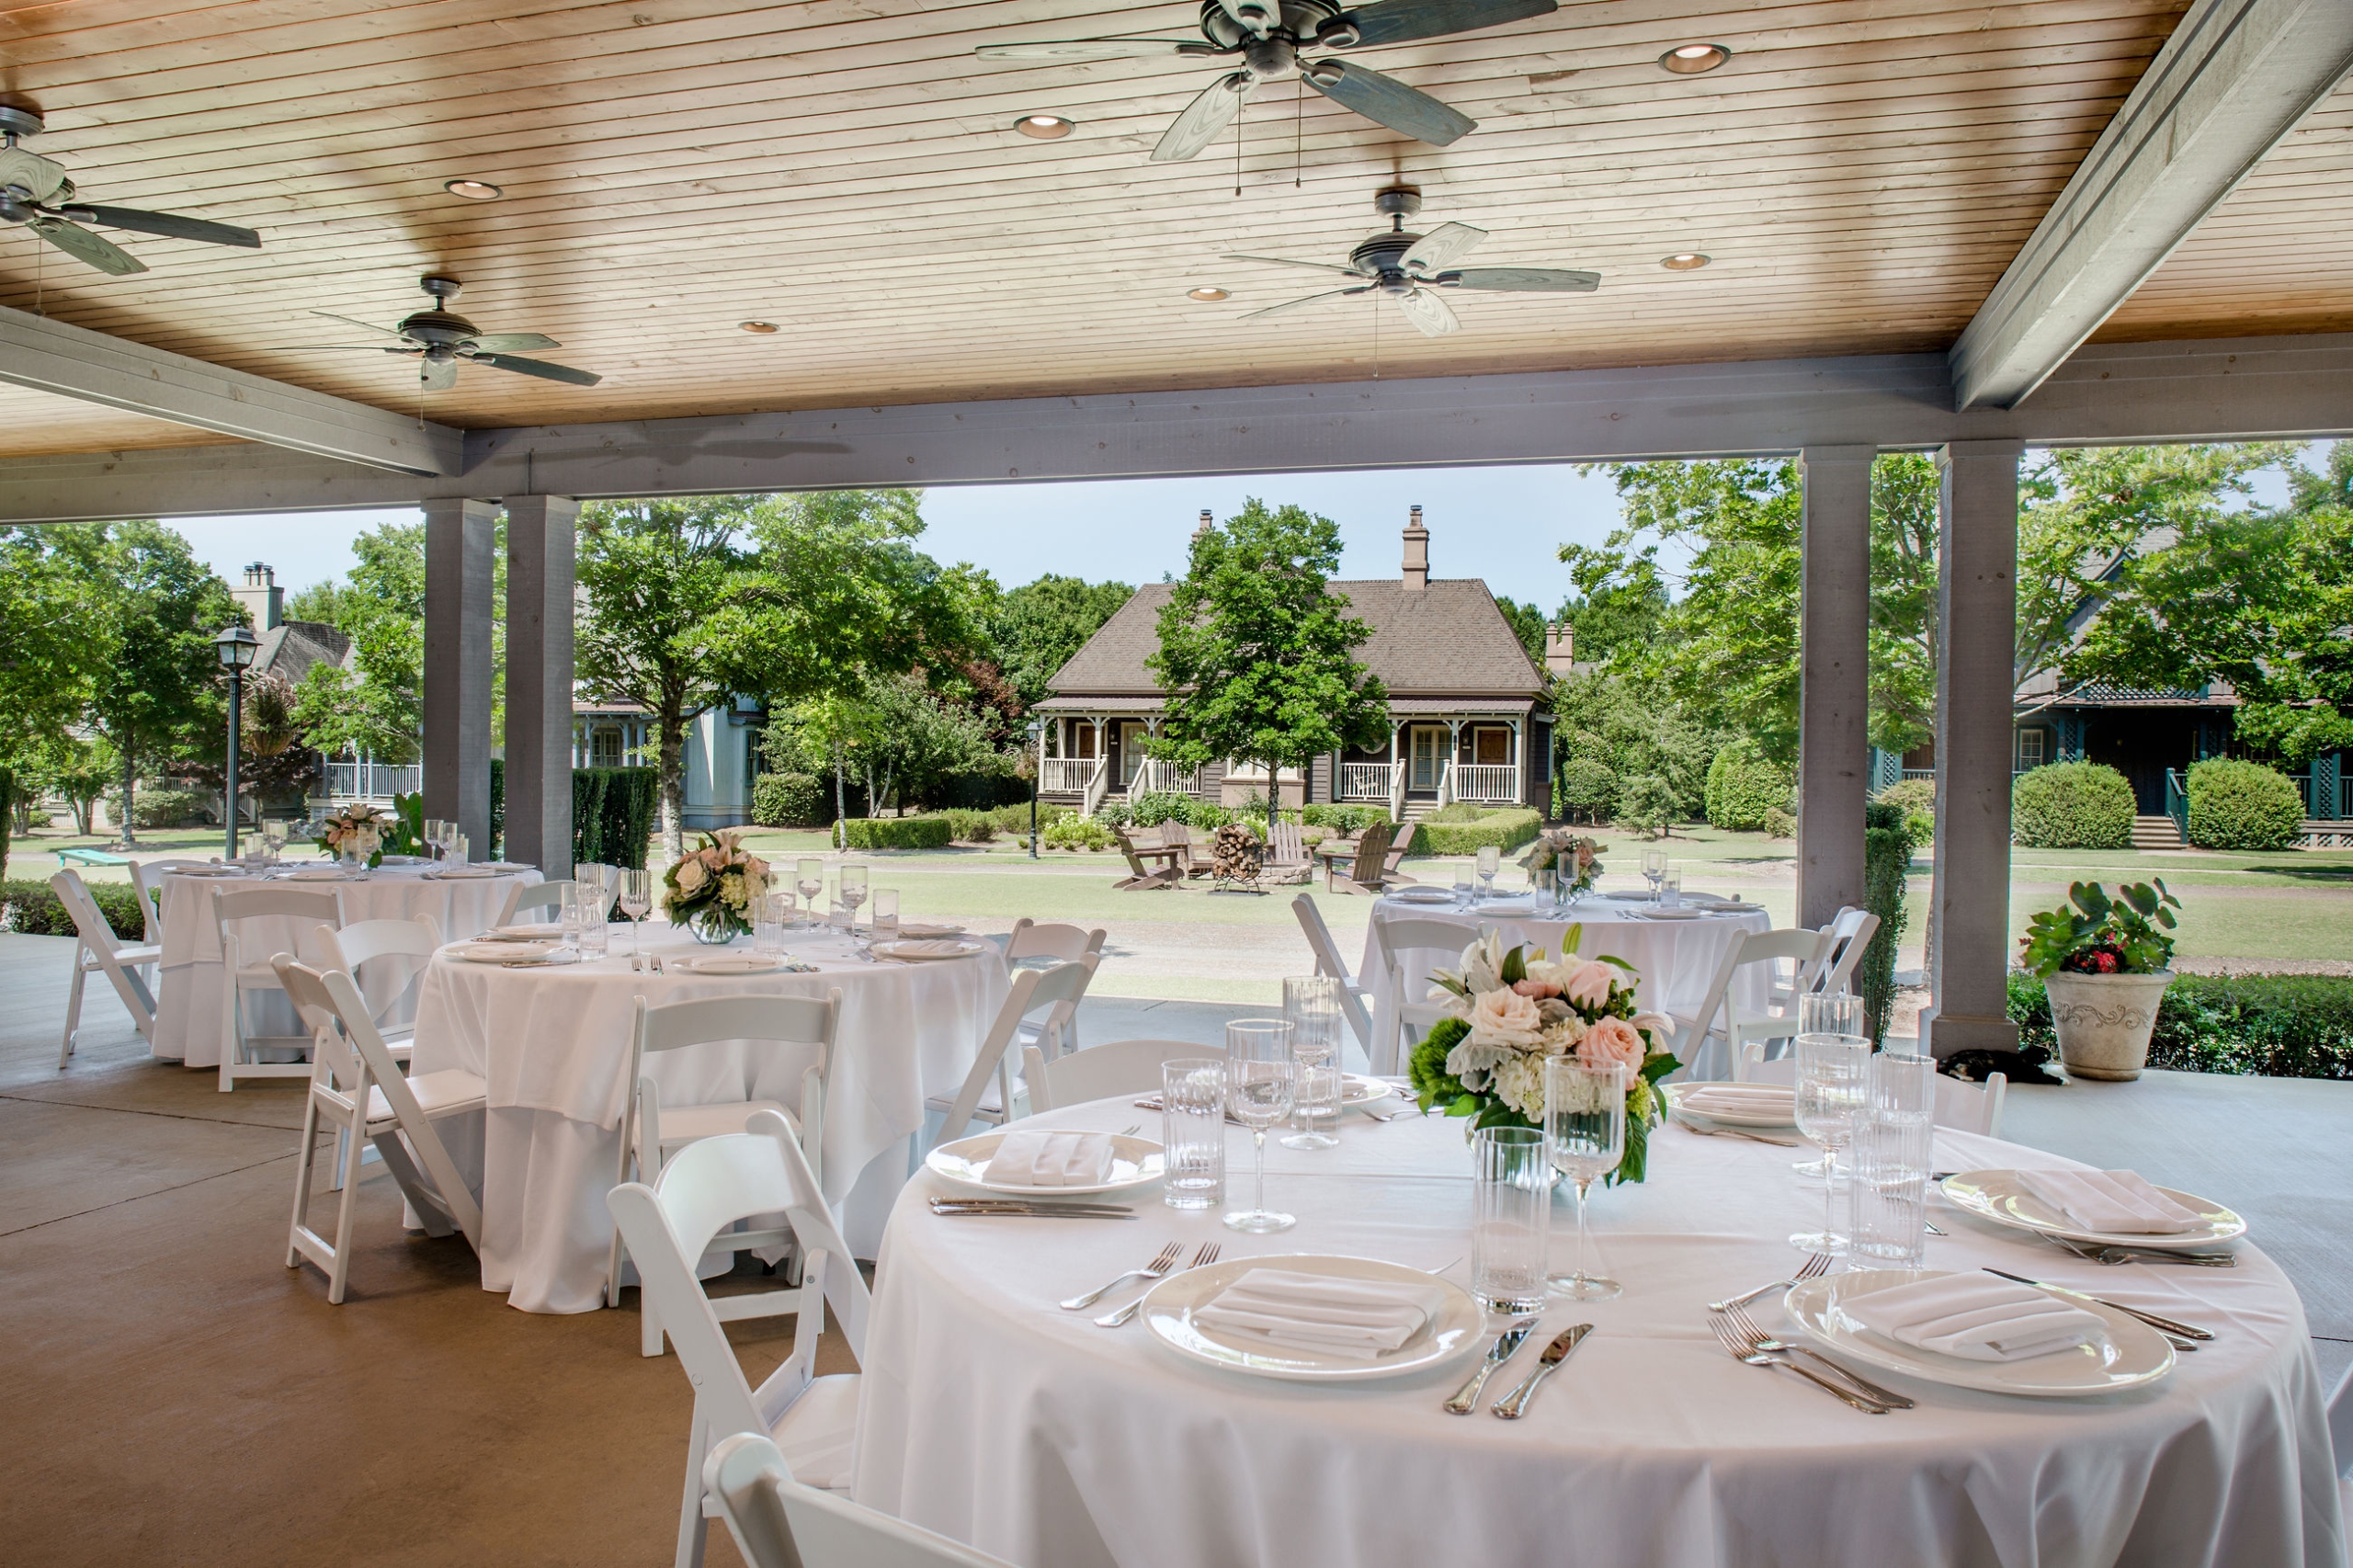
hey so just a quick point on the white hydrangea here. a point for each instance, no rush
(1519, 1084)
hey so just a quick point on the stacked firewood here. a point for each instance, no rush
(1234, 854)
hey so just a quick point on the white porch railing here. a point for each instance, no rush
(1066, 775)
(373, 781)
(1099, 784)
(1365, 780)
(1486, 784)
(1154, 777)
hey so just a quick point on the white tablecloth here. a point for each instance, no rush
(990, 1415)
(188, 1005)
(554, 1044)
(1675, 959)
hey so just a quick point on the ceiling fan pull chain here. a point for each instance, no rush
(1238, 116)
(1298, 127)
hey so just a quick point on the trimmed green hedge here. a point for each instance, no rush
(30, 908)
(2278, 1025)
(1507, 829)
(2073, 805)
(897, 833)
(792, 799)
(612, 814)
(1743, 788)
(1346, 819)
(969, 826)
(2243, 805)
(1075, 832)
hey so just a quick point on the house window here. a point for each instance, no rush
(1428, 742)
(604, 748)
(2031, 753)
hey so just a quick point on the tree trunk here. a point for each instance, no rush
(1274, 798)
(130, 778)
(841, 802)
(671, 756)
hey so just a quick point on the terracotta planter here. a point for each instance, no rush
(2104, 1021)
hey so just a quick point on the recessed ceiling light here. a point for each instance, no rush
(1207, 294)
(474, 189)
(757, 325)
(1045, 127)
(1684, 261)
(1691, 59)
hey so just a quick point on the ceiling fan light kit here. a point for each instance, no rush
(1044, 127)
(1685, 261)
(1207, 294)
(35, 194)
(762, 327)
(472, 189)
(1694, 59)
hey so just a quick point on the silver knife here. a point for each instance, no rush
(2164, 1326)
(1508, 1343)
(1513, 1406)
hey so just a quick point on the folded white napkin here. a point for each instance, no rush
(530, 931)
(2118, 1202)
(1740, 1099)
(731, 963)
(317, 874)
(1053, 1159)
(920, 929)
(945, 948)
(1975, 1317)
(1361, 1319)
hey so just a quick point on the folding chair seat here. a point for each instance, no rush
(247, 968)
(531, 900)
(1033, 943)
(1356, 1003)
(1393, 940)
(356, 1085)
(1115, 1067)
(653, 1133)
(990, 1086)
(97, 950)
(780, 1523)
(708, 1188)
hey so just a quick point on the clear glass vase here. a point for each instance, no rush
(713, 926)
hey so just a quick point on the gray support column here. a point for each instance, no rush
(539, 544)
(1834, 701)
(457, 540)
(1977, 550)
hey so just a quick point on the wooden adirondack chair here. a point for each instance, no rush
(1398, 847)
(1365, 875)
(1286, 855)
(1164, 875)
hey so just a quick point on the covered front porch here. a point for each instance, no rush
(1088, 756)
(1437, 755)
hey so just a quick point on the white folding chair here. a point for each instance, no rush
(1115, 1067)
(245, 967)
(708, 1188)
(356, 1084)
(1696, 1033)
(1393, 939)
(2340, 1428)
(1354, 1001)
(148, 878)
(1031, 942)
(652, 1133)
(1850, 931)
(990, 1092)
(96, 946)
(529, 900)
(388, 944)
(779, 1523)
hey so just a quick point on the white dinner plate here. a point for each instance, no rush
(463, 874)
(1135, 1161)
(1506, 906)
(919, 952)
(921, 930)
(1629, 897)
(2001, 1196)
(1672, 912)
(1457, 1327)
(2133, 1353)
(1422, 896)
(1356, 1090)
(1675, 1093)
(205, 871)
(503, 952)
(729, 963)
(318, 874)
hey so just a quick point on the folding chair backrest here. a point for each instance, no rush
(779, 1523)
(538, 895)
(1398, 937)
(1972, 1107)
(1329, 962)
(1372, 854)
(1032, 989)
(1115, 1067)
(97, 936)
(791, 1020)
(822, 1243)
(148, 878)
(1798, 947)
(1850, 931)
(1063, 944)
(408, 945)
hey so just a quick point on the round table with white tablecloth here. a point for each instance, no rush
(554, 1042)
(989, 1413)
(1675, 959)
(188, 1005)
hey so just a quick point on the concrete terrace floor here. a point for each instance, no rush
(175, 1394)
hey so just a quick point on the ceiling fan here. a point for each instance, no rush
(443, 340)
(1408, 267)
(35, 194)
(1270, 37)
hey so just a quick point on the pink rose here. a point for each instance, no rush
(1588, 985)
(1612, 1041)
(1540, 989)
(1506, 1017)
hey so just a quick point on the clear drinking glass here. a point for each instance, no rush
(1259, 1084)
(808, 877)
(1511, 1197)
(1832, 1073)
(767, 924)
(1585, 1136)
(1546, 885)
(852, 893)
(1312, 1006)
(1888, 1180)
(461, 850)
(1670, 887)
(589, 875)
(1491, 860)
(637, 900)
(1654, 869)
(1841, 1014)
(883, 922)
(1192, 1132)
(585, 919)
(1463, 883)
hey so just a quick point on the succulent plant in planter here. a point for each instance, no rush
(2102, 961)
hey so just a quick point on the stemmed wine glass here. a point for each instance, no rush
(808, 877)
(1312, 1005)
(1491, 860)
(1260, 1081)
(1820, 1014)
(637, 903)
(1654, 869)
(1585, 1135)
(853, 894)
(1832, 1073)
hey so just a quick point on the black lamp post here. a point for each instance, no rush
(236, 645)
(1037, 733)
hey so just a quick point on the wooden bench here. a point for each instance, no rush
(90, 858)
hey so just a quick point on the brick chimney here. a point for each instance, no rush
(262, 597)
(1560, 649)
(1417, 552)
(1206, 524)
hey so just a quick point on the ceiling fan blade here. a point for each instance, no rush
(1428, 314)
(539, 367)
(88, 248)
(171, 225)
(1207, 115)
(1433, 251)
(1403, 21)
(1525, 280)
(438, 375)
(1286, 261)
(1384, 100)
(364, 327)
(1095, 49)
(505, 342)
(1300, 304)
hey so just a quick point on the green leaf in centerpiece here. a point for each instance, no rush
(1614, 959)
(1514, 967)
(1465, 1103)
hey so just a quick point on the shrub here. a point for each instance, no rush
(1461, 810)
(1074, 832)
(159, 806)
(1158, 806)
(612, 813)
(1589, 789)
(2073, 805)
(1015, 819)
(969, 827)
(792, 799)
(1209, 816)
(1507, 829)
(1779, 823)
(1345, 819)
(2243, 805)
(1645, 804)
(30, 908)
(1742, 787)
(1917, 800)
(1114, 814)
(2281, 1025)
(1888, 844)
(897, 833)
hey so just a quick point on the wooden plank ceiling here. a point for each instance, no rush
(1860, 172)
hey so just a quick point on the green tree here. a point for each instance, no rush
(1622, 724)
(1620, 603)
(1032, 631)
(1257, 654)
(52, 641)
(1902, 659)
(1528, 624)
(377, 707)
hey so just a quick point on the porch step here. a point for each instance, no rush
(2156, 833)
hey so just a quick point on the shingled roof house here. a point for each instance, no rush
(1467, 708)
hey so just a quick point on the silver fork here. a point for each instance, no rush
(1760, 1340)
(1738, 1349)
(1816, 1265)
(1201, 1260)
(1159, 1266)
(2115, 1255)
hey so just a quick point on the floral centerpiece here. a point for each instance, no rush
(711, 889)
(1576, 859)
(1512, 1009)
(356, 831)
